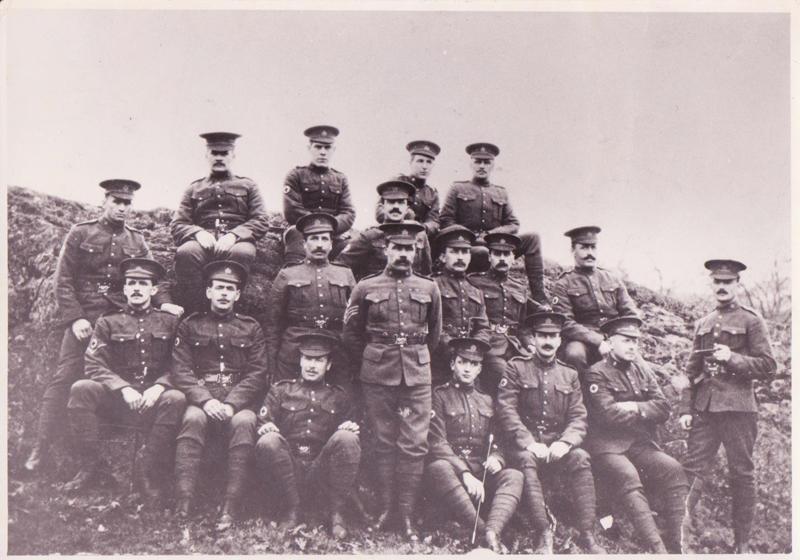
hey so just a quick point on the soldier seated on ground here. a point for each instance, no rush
(459, 440)
(127, 361)
(542, 416)
(221, 366)
(307, 439)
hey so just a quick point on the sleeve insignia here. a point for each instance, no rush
(93, 346)
(177, 340)
(503, 382)
(593, 388)
(263, 412)
(404, 412)
(286, 189)
(433, 413)
(554, 301)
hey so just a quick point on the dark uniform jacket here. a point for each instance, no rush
(131, 347)
(303, 297)
(424, 207)
(231, 204)
(88, 269)
(717, 387)
(365, 253)
(307, 414)
(482, 208)
(318, 189)
(393, 322)
(611, 429)
(461, 301)
(589, 298)
(461, 421)
(222, 357)
(540, 402)
(507, 305)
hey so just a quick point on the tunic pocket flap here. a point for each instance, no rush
(92, 247)
(475, 297)
(566, 389)
(241, 342)
(423, 355)
(134, 251)
(420, 298)
(299, 283)
(236, 190)
(123, 337)
(519, 298)
(731, 329)
(199, 340)
(162, 336)
(376, 297)
(373, 354)
(294, 405)
(532, 383)
(465, 196)
(576, 292)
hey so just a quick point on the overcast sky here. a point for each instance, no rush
(670, 131)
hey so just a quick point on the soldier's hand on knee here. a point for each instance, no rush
(473, 485)
(350, 426)
(557, 450)
(493, 465)
(267, 428)
(150, 396)
(685, 421)
(132, 397)
(214, 409)
(172, 308)
(205, 239)
(539, 450)
(228, 411)
(225, 243)
(604, 348)
(629, 406)
(82, 329)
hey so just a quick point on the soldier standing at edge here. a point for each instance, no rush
(88, 284)
(220, 217)
(484, 208)
(731, 349)
(317, 187)
(393, 323)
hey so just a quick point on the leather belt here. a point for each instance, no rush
(466, 451)
(501, 328)
(304, 450)
(217, 378)
(399, 339)
(100, 286)
(319, 323)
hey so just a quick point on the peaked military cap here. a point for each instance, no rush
(502, 241)
(317, 343)
(546, 321)
(725, 269)
(423, 148)
(394, 189)
(483, 150)
(120, 188)
(583, 234)
(322, 134)
(469, 348)
(142, 268)
(455, 236)
(627, 325)
(229, 271)
(316, 222)
(404, 232)
(220, 140)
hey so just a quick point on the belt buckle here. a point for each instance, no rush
(501, 329)
(201, 382)
(321, 322)
(400, 339)
(712, 368)
(465, 452)
(224, 378)
(304, 450)
(102, 289)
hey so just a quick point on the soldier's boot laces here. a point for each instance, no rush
(35, 460)
(588, 542)
(188, 454)
(545, 543)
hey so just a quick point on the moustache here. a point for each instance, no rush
(459, 263)
(722, 292)
(548, 347)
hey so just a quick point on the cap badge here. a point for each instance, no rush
(473, 348)
(228, 271)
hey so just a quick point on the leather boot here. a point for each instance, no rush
(292, 498)
(86, 434)
(385, 494)
(545, 542)
(188, 454)
(238, 462)
(674, 512)
(588, 542)
(505, 500)
(35, 460)
(227, 515)
(154, 455)
(492, 541)
(638, 509)
(408, 487)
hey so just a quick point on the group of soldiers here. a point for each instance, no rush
(472, 383)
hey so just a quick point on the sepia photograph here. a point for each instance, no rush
(447, 277)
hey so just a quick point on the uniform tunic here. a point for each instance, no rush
(480, 206)
(311, 188)
(305, 297)
(423, 207)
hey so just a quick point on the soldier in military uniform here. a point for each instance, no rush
(392, 325)
(307, 438)
(507, 305)
(127, 363)
(463, 308)
(424, 204)
(221, 216)
(588, 295)
(542, 416)
(731, 349)
(625, 406)
(317, 187)
(88, 284)
(461, 422)
(221, 366)
(484, 208)
(365, 254)
(307, 296)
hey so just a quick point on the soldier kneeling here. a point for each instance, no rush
(459, 439)
(126, 365)
(307, 439)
